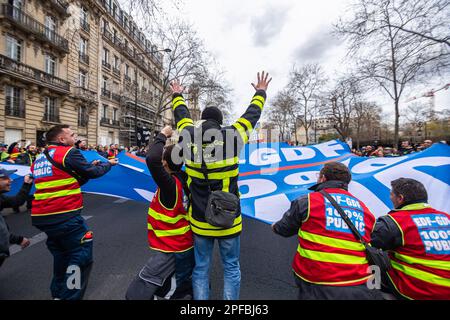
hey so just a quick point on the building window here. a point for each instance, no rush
(13, 48)
(105, 83)
(83, 79)
(105, 55)
(82, 117)
(114, 114)
(83, 46)
(105, 111)
(116, 62)
(84, 15)
(50, 64)
(15, 105)
(50, 27)
(51, 111)
(127, 70)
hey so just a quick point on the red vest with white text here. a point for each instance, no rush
(421, 266)
(56, 191)
(328, 253)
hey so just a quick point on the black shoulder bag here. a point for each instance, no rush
(80, 179)
(374, 256)
(223, 207)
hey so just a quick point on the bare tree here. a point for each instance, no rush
(388, 57)
(306, 83)
(366, 115)
(186, 61)
(279, 115)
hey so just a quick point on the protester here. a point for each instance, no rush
(12, 201)
(113, 151)
(57, 208)
(330, 262)
(14, 151)
(27, 159)
(222, 171)
(169, 233)
(4, 155)
(417, 239)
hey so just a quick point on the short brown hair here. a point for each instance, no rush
(167, 156)
(55, 131)
(411, 190)
(336, 171)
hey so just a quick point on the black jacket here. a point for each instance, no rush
(163, 179)
(13, 202)
(77, 163)
(289, 226)
(221, 152)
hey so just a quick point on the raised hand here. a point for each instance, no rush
(167, 131)
(176, 86)
(262, 84)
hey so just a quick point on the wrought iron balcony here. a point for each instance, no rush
(126, 78)
(108, 35)
(115, 97)
(26, 73)
(85, 94)
(61, 6)
(116, 123)
(85, 25)
(84, 57)
(106, 65)
(30, 25)
(116, 71)
(105, 121)
(106, 93)
(15, 107)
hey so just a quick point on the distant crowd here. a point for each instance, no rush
(18, 153)
(386, 151)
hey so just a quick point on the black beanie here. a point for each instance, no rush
(212, 113)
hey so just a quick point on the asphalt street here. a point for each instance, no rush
(120, 250)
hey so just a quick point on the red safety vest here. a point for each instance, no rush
(56, 191)
(168, 228)
(421, 266)
(328, 253)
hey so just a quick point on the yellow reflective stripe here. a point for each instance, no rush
(177, 102)
(399, 228)
(415, 206)
(421, 275)
(259, 101)
(55, 183)
(214, 231)
(331, 242)
(226, 185)
(169, 233)
(162, 217)
(335, 283)
(204, 225)
(183, 122)
(437, 264)
(62, 193)
(214, 175)
(241, 131)
(246, 123)
(184, 126)
(331, 257)
(214, 165)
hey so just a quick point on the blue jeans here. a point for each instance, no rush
(184, 264)
(71, 252)
(229, 252)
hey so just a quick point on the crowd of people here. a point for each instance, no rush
(340, 239)
(405, 148)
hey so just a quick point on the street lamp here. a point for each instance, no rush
(136, 90)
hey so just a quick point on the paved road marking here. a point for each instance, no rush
(121, 201)
(34, 240)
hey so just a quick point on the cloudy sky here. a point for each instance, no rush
(247, 36)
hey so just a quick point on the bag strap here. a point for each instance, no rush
(345, 217)
(61, 167)
(185, 187)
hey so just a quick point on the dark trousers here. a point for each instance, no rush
(72, 258)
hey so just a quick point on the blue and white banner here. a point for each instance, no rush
(272, 175)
